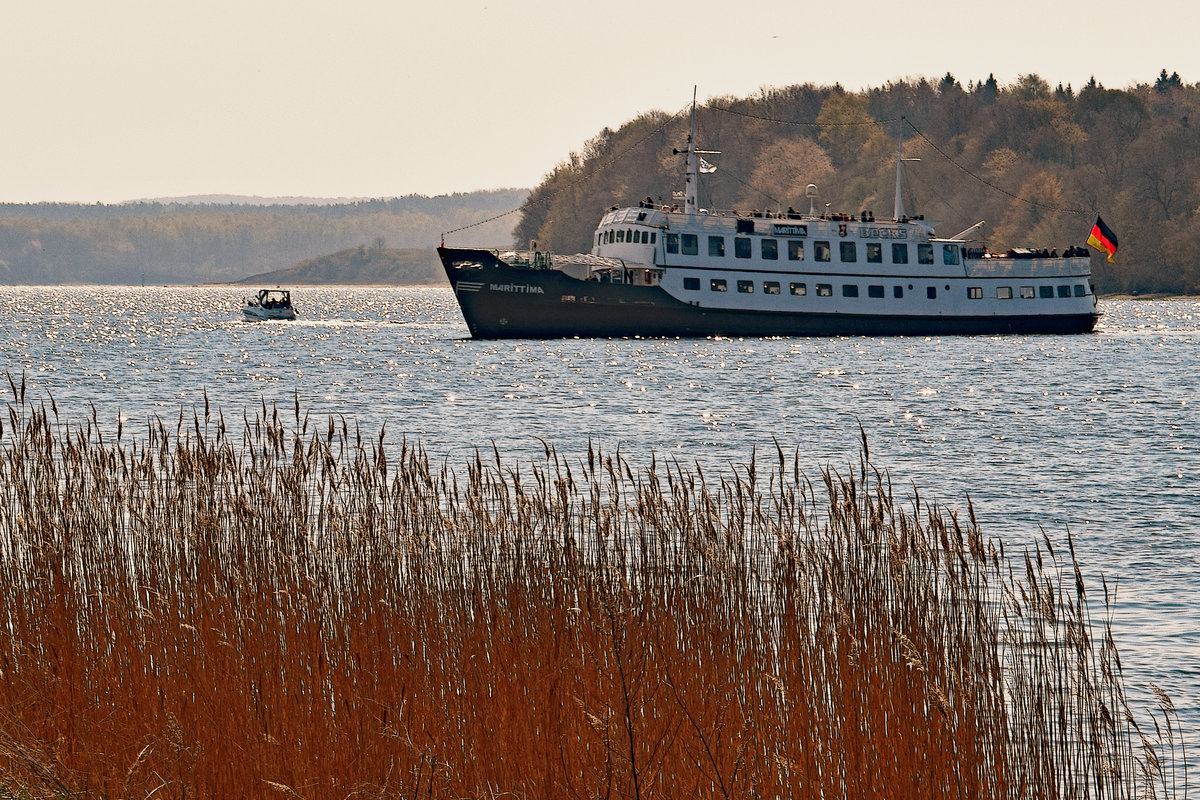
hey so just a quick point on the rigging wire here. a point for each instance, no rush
(926, 139)
(603, 165)
(989, 184)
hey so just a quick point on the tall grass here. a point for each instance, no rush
(294, 610)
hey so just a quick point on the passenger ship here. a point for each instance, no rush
(669, 271)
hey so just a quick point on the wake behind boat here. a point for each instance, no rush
(270, 304)
(658, 270)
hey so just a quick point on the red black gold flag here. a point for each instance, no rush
(1103, 239)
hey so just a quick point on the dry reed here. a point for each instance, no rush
(302, 612)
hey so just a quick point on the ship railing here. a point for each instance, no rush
(1007, 267)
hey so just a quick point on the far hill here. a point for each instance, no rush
(209, 242)
(362, 265)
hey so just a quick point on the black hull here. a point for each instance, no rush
(500, 301)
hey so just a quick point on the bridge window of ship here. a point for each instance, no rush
(799, 289)
(849, 290)
(628, 235)
(1045, 292)
(975, 292)
(690, 243)
(770, 287)
(874, 253)
(931, 292)
(924, 253)
(620, 236)
(875, 290)
(770, 249)
(741, 247)
(849, 252)
(1004, 293)
(691, 284)
(673, 243)
(1026, 292)
(795, 250)
(1080, 290)
(1064, 291)
(950, 255)
(824, 290)
(745, 287)
(821, 251)
(897, 292)
(718, 285)
(899, 253)
(716, 246)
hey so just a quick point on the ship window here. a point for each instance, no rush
(897, 292)
(741, 247)
(672, 242)
(716, 246)
(653, 237)
(849, 252)
(798, 288)
(930, 291)
(718, 285)
(1004, 293)
(690, 243)
(874, 253)
(1064, 291)
(628, 235)
(924, 253)
(850, 289)
(795, 250)
(745, 287)
(950, 254)
(1026, 292)
(691, 284)
(975, 292)
(1045, 292)
(770, 249)
(620, 236)
(637, 237)
(1080, 290)
(875, 291)
(745, 226)
(899, 253)
(821, 251)
(770, 287)
(824, 290)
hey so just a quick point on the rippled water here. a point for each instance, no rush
(1094, 434)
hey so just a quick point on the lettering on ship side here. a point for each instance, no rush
(882, 233)
(519, 288)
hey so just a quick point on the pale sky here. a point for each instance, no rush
(128, 99)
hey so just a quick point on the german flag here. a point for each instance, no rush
(1103, 239)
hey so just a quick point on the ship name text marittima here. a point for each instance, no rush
(680, 270)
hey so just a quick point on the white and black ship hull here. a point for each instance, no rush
(506, 301)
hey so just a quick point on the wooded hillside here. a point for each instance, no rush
(171, 242)
(1036, 163)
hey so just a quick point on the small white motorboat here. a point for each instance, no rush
(270, 304)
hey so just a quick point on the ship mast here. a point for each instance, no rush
(692, 175)
(695, 165)
(898, 210)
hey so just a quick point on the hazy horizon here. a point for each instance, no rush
(374, 99)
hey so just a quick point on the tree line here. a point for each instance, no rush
(1036, 164)
(175, 242)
